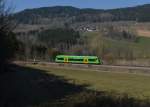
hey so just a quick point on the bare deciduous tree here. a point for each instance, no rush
(8, 41)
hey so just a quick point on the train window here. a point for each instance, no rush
(92, 60)
(80, 59)
(71, 59)
(60, 58)
(75, 59)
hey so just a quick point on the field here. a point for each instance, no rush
(143, 29)
(138, 48)
(145, 33)
(52, 86)
(132, 84)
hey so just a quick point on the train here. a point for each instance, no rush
(78, 59)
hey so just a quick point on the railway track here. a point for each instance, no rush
(112, 68)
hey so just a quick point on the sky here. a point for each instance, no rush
(97, 4)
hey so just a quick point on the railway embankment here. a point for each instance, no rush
(99, 68)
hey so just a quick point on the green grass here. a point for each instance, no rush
(143, 41)
(134, 85)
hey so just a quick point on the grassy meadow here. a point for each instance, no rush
(135, 85)
(46, 86)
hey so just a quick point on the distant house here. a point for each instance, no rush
(89, 29)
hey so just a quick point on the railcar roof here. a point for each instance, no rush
(76, 56)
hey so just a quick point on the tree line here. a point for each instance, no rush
(46, 44)
(8, 41)
(74, 15)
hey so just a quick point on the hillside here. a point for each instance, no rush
(110, 34)
(68, 14)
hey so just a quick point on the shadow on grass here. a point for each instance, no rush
(28, 87)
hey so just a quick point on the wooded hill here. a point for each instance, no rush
(109, 34)
(68, 14)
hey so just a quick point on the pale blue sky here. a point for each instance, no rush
(98, 4)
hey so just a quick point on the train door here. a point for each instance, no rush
(85, 60)
(66, 60)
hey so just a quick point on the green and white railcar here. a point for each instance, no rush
(78, 59)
